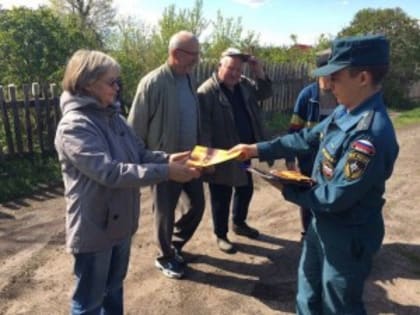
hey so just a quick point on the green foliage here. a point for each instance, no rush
(173, 21)
(228, 32)
(21, 177)
(35, 44)
(403, 33)
(277, 123)
(408, 117)
(131, 44)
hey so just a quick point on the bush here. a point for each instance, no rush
(23, 176)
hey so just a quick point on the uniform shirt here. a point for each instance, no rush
(356, 152)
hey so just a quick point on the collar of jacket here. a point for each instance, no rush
(346, 120)
(222, 97)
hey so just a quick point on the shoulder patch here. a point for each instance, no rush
(364, 146)
(355, 165)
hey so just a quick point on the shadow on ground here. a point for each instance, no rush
(274, 281)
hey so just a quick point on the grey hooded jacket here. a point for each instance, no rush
(103, 165)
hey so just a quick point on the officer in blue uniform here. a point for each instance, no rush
(356, 150)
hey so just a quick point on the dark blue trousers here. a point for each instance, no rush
(335, 263)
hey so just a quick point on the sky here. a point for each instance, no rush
(273, 20)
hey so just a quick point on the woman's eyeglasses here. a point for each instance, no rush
(113, 82)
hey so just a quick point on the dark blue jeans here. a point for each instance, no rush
(99, 280)
(220, 197)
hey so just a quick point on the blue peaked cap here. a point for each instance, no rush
(356, 51)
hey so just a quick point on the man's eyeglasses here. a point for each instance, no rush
(191, 53)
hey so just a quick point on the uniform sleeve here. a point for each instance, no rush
(304, 141)
(359, 168)
(298, 119)
(297, 122)
(80, 144)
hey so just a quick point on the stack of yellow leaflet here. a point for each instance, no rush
(205, 156)
(283, 177)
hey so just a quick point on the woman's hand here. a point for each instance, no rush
(179, 171)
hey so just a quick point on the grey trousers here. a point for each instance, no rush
(170, 230)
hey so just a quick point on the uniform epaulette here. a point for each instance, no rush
(364, 123)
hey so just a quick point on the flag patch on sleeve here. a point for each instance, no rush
(364, 146)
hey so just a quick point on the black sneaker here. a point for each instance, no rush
(245, 230)
(170, 267)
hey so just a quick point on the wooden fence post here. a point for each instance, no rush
(28, 119)
(39, 125)
(6, 123)
(16, 119)
(48, 120)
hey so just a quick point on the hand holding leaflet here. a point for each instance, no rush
(276, 177)
(204, 156)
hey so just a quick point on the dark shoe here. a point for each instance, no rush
(225, 245)
(245, 230)
(170, 267)
(179, 257)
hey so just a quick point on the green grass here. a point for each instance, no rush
(22, 176)
(405, 118)
(277, 123)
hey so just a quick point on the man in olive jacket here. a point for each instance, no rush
(229, 115)
(165, 114)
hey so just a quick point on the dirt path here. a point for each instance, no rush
(36, 273)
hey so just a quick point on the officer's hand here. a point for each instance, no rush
(246, 151)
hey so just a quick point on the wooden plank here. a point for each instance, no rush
(16, 118)
(6, 124)
(48, 119)
(28, 124)
(56, 104)
(38, 115)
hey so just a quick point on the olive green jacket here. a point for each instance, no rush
(154, 114)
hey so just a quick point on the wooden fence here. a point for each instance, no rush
(287, 79)
(28, 125)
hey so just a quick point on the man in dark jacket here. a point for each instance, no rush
(230, 115)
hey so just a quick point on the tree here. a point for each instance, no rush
(173, 21)
(97, 16)
(403, 33)
(34, 45)
(131, 44)
(228, 32)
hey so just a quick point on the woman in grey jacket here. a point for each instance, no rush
(103, 165)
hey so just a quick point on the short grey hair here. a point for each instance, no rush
(179, 39)
(85, 67)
